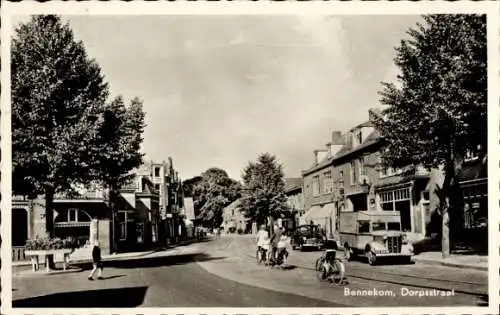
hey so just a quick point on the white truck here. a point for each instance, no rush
(374, 235)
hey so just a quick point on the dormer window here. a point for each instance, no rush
(157, 171)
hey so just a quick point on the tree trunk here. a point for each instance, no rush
(49, 210)
(49, 218)
(450, 187)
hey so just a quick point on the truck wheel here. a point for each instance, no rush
(371, 257)
(347, 252)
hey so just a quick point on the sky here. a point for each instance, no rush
(220, 90)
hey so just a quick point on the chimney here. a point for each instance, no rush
(319, 155)
(338, 141)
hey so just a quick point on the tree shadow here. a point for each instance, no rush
(119, 297)
(153, 262)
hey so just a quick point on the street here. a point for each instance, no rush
(223, 273)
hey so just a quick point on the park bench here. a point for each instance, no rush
(45, 255)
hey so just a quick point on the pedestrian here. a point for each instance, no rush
(97, 262)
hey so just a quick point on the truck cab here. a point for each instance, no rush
(374, 235)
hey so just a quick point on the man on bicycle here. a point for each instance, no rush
(262, 238)
(330, 248)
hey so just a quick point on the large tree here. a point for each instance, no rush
(263, 195)
(64, 134)
(119, 141)
(439, 111)
(215, 191)
(189, 184)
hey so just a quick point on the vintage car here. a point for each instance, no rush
(307, 236)
(374, 235)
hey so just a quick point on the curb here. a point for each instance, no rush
(21, 266)
(449, 264)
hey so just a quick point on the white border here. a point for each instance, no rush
(259, 8)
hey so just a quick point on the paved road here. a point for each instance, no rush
(470, 286)
(171, 281)
(222, 273)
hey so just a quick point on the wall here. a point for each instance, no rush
(322, 198)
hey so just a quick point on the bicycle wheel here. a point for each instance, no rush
(320, 270)
(318, 263)
(339, 272)
(258, 256)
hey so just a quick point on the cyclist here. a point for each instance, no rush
(262, 239)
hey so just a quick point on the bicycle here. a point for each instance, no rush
(329, 267)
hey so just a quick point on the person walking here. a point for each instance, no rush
(97, 261)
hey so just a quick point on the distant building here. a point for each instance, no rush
(167, 182)
(233, 220)
(295, 201)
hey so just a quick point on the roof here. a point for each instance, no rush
(292, 184)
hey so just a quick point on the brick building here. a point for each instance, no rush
(320, 187)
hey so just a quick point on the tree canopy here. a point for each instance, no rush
(439, 111)
(264, 189)
(64, 133)
(57, 96)
(215, 191)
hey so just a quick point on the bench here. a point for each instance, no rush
(35, 255)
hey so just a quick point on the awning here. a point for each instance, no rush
(317, 213)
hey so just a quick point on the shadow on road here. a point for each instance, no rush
(112, 277)
(122, 297)
(152, 262)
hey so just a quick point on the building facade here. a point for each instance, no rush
(88, 216)
(295, 202)
(167, 182)
(319, 186)
(233, 220)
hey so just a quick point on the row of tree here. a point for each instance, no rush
(65, 131)
(261, 194)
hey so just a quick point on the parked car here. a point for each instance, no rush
(307, 236)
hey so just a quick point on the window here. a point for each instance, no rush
(393, 226)
(157, 171)
(157, 187)
(390, 171)
(398, 200)
(359, 137)
(361, 166)
(72, 215)
(123, 219)
(352, 172)
(363, 226)
(378, 226)
(327, 182)
(341, 177)
(315, 185)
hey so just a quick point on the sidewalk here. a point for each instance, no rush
(458, 261)
(83, 255)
